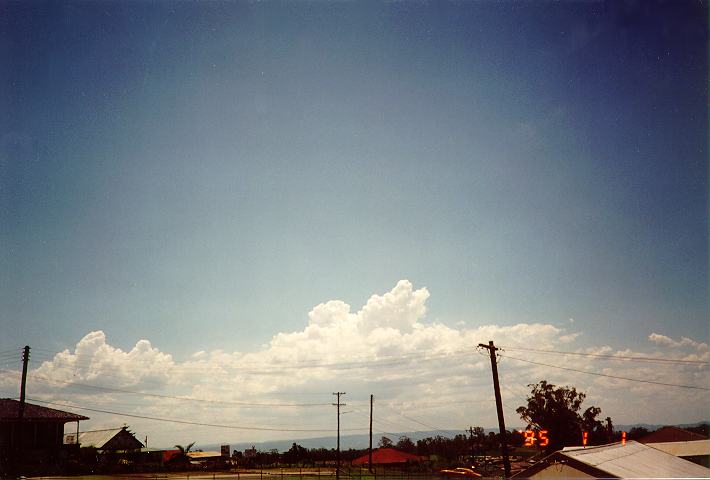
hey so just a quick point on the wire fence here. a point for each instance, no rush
(284, 474)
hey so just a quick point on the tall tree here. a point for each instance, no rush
(182, 456)
(385, 442)
(406, 444)
(556, 409)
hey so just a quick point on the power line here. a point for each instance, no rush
(173, 397)
(363, 362)
(606, 375)
(187, 422)
(432, 427)
(613, 357)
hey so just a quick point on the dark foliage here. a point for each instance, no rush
(556, 409)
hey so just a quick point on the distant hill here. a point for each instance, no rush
(362, 441)
(346, 441)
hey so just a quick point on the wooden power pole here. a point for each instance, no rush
(337, 452)
(370, 449)
(23, 384)
(499, 406)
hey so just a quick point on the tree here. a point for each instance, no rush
(478, 438)
(296, 454)
(556, 409)
(385, 443)
(406, 444)
(181, 456)
(636, 433)
(597, 434)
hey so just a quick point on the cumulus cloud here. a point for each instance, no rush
(665, 341)
(95, 361)
(388, 348)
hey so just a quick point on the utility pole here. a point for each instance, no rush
(473, 444)
(23, 384)
(338, 405)
(609, 429)
(499, 406)
(370, 450)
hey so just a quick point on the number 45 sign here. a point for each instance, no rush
(531, 436)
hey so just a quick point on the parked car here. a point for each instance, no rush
(460, 472)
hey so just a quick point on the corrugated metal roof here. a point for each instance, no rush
(684, 449)
(635, 460)
(95, 438)
(203, 455)
(10, 409)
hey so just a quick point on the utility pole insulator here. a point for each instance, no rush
(499, 406)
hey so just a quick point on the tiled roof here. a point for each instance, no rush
(671, 434)
(387, 456)
(10, 410)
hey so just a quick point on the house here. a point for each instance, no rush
(682, 443)
(40, 427)
(617, 460)
(105, 440)
(387, 456)
(207, 460)
(36, 438)
(671, 434)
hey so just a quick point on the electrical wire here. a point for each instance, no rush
(613, 357)
(187, 422)
(364, 361)
(606, 375)
(173, 397)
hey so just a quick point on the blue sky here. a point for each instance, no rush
(202, 174)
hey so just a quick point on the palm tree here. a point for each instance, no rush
(181, 456)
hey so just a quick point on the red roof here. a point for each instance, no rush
(169, 454)
(10, 411)
(386, 456)
(671, 434)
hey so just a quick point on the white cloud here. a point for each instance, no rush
(665, 341)
(388, 348)
(95, 361)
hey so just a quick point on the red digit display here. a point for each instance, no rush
(623, 438)
(542, 435)
(529, 438)
(584, 438)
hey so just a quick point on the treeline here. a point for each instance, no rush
(441, 450)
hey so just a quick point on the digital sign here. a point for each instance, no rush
(532, 436)
(541, 439)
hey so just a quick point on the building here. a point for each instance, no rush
(36, 439)
(387, 456)
(632, 460)
(671, 434)
(696, 451)
(105, 440)
(682, 443)
(207, 460)
(39, 428)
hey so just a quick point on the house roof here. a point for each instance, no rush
(10, 411)
(100, 439)
(671, 434)
(695, 448)
(633, 460)
(203, 455)
(387, 456)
